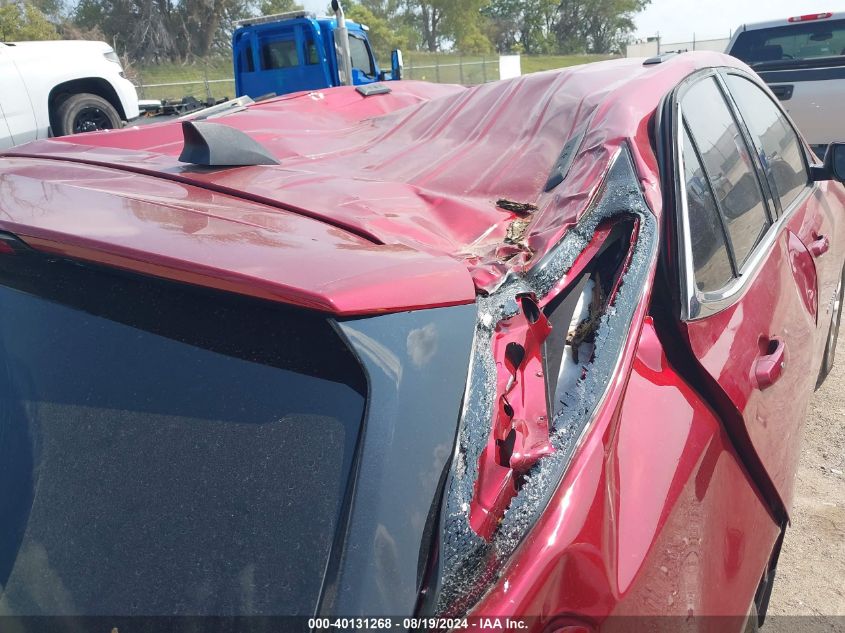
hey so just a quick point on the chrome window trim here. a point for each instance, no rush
(696, 304)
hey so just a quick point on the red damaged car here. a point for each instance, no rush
(536, 349)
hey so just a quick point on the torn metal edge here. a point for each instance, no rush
(469, 564)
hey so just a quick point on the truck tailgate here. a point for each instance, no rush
(813, 98)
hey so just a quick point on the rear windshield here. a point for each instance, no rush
(163, 449)
(807, 40)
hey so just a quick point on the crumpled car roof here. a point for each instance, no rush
(418, 170)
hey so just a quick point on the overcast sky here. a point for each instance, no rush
(677, 20)
(317, 6)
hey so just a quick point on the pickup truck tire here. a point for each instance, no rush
(85, 112)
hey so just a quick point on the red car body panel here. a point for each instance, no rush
(419, 171)
(189, 234)
(731, 343)
(388, 203)
(696, 548)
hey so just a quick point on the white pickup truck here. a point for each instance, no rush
(61, 87)
(802, 59)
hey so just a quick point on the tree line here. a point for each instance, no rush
(181, 30)
(504, 26)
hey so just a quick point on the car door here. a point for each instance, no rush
(14, 101)
(820, 226)
(748, 280)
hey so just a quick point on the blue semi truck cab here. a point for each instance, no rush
(289, 52)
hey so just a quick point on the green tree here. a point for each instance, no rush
(382, 35)
(595, 26)
(143, 30)
(429, 17)
(524, 26)
(444, 22)
(153, 30)
(464, 26)
(561, 26)
(610, 23)
(269, 7)
(392, 11)
(23, 22)
(53, 10)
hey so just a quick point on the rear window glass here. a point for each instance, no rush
(728, 165)
(165, 450)
(806, 40)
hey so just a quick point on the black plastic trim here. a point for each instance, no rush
(217, 145)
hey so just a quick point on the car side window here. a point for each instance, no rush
(247, 65)
(311, 57)
(279, 54)
(777, 144)
(711, 262)
(361, 56)
(728, 166)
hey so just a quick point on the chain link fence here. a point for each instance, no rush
(453, 70)
(202, 89)
(176, 82)
(655, 46)
(214, 82)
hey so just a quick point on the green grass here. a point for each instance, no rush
(214, 69)
(443, 68)
(536, 63)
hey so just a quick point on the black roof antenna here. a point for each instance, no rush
(217, 145)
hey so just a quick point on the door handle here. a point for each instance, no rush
(769, 367)
(819, 246)
(783, 91)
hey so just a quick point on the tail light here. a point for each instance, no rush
(810, 16)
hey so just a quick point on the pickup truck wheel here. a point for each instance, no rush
(833, 335)
(85, 113)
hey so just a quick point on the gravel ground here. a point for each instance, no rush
(811, 572)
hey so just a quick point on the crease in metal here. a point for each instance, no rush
(468, 562)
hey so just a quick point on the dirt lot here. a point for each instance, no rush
(811, 572)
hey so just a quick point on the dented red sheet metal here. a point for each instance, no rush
(519, 435)
(179, 232)
(418, 169)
